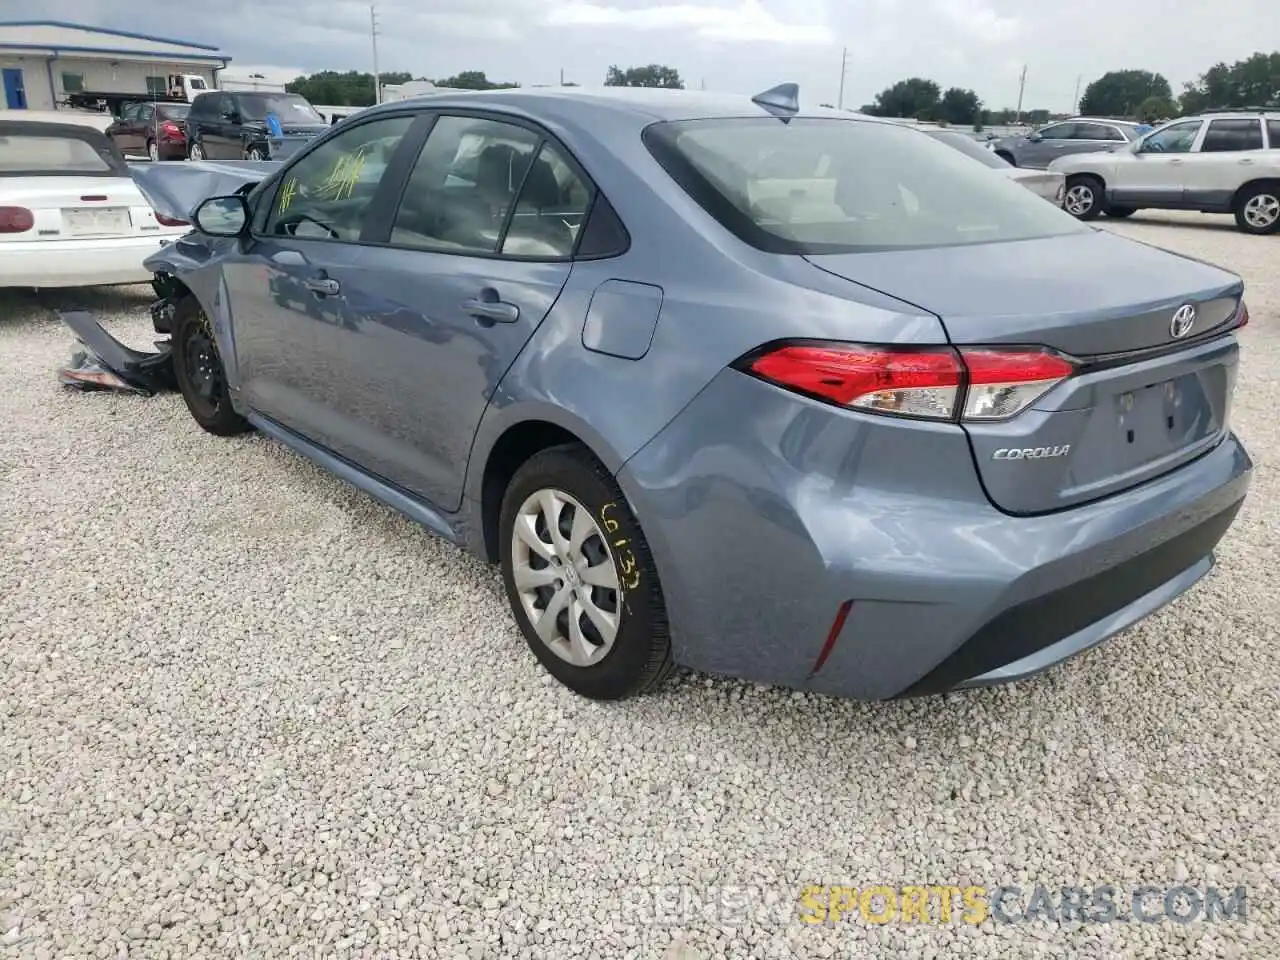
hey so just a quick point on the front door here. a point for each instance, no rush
(1155, 174)
(15, 93)
(294, 286)
(1050, 143)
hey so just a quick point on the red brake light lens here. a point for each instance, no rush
(170, 129)
(909, 383)
(170, 222)
(16, 220)
(1244, 315)
(938, 383)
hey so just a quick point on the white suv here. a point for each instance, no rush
(1216, 163)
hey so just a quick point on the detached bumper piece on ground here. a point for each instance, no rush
(101, 362)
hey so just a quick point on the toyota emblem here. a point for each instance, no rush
(1184, 318)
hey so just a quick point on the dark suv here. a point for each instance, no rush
(250, 126)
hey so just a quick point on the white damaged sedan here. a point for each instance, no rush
(71, 214)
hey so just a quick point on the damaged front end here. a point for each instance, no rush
(174, 190)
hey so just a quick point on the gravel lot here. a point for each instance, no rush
(248, 711)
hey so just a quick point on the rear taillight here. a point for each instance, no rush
(16, 220)
(170, 129)
(939, 383)
(170, 221)
(1244, 315)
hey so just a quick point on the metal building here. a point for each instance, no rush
(42, 61)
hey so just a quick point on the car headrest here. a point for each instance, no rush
(541, 188)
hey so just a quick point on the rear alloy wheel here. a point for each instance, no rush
(580, 579)
(1084, 198)
(196, 152)
(197, 366)
(1119, 213)
(255, 153)
(153, 151)
(1258, 209)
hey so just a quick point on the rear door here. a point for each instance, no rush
(1228, 155)
(479, 249)
(1087, 137)
(143, 130)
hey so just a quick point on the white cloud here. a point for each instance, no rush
(748, 21)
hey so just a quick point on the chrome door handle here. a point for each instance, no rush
(1174, 160)
(1244, 160)
(494, 310)
(324, 286)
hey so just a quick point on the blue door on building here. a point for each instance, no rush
(15, 95)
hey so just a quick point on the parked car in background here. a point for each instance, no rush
(1077, 135)
(1217, 163)
(792, 395)
(154, 130)
(1050, 186)
(250, 126)
(70, 213)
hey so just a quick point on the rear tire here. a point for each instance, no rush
(153, 151)
(1119, 213)
(1085, 197)
(255, 153)
(601, 641)
(197, 367)
(1258, 209)
(195, 151)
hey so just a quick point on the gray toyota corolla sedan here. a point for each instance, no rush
(791, 395)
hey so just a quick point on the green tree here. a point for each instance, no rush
(1120, 92)
(914, 97)
(959, 106)
(473, 80)
(349, 89)
(1254, 81)
(653, 75)
(1156, 108)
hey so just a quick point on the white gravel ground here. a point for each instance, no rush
(248, 711)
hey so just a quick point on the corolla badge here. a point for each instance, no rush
(1031, 453)
(1184, 318)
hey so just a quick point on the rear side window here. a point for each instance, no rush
(1231, 135)
(846, 186)
(1096, 131)
(326, 194)
(41, 151)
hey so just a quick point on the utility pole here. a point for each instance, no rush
(562, 76)
(373, 33)
(844, 62)
(1022, 85)
(1075, 104)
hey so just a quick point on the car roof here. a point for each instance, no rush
(644, 104)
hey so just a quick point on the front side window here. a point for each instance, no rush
(1058, 131)
(1175, 138)
(848, 186)
(1232, 135)
(327, 193)
(463, 185)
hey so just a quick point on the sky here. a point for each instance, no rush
(738, 46)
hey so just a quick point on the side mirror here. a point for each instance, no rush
(222, 216)
(1034, 137)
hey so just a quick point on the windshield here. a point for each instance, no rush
(821, 186)
(289, 107)
(970, 147)
(50, 153)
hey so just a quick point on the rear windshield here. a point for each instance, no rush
(821, 186)
(289, 107)
(32, 153)
(970, 147)
(173, 111)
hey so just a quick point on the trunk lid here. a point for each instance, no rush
(1144, 402)
(81, 208)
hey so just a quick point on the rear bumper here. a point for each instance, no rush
(78, 263)
(766, 513)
